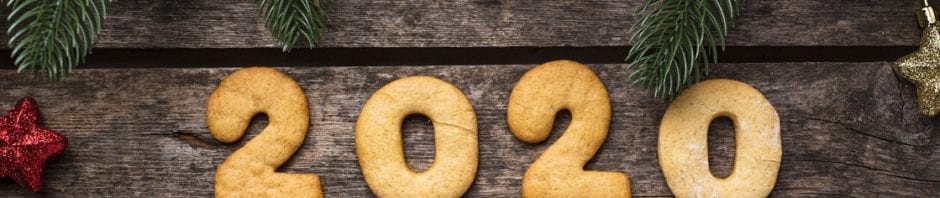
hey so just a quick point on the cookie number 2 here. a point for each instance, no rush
(249, 171)
(559, 171)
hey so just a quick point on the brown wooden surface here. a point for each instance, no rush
(848, 129)
(491, 23)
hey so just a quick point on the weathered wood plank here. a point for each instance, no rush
(495, 23)
(849, 129)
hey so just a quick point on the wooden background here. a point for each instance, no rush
(135, 120)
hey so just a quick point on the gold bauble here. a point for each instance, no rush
(923, 69)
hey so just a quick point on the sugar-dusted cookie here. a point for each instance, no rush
(559, 172)
(379, 139)
(683, 149)
(249, 171)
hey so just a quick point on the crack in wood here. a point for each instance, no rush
(372, 56)
(898, 81)
(879, 171)
(829, 194)
(850, 128)
(455, 126)
(188, 138)
(789, 189)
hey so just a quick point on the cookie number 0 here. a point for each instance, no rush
(379, 143)
(559, 171)
(249, 171)
(683, 149)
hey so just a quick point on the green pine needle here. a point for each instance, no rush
(289, 20)
(53, 36)
(675, 41)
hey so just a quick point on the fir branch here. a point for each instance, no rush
(676, 40)
(289, 20)
(53, 36)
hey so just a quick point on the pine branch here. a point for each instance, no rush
(289, 20)
(676, 40)
(53, 36)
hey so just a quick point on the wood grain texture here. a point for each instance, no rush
(848, 129)
(498, 23)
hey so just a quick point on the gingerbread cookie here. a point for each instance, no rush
(379, 139)
(683, 149)
(249, 171)
(559, 172)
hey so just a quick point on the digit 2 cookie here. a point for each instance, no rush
(559, 171)
(249, 171)
(380, 149)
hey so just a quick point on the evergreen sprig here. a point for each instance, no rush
(53, 36)
(676, 40)
(289, 20)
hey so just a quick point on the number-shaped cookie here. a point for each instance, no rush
(249, 171)
(380, 148)
(683, 149)
(559, 172)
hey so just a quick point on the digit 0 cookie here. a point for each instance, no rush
(559, 171)
(683, 149)
(379, 141)
(249, 171)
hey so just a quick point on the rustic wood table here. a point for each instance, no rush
(134, 114)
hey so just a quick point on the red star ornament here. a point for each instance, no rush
(25, 145)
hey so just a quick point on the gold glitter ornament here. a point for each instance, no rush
(923, 66)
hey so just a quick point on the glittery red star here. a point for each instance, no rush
(25, 145)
